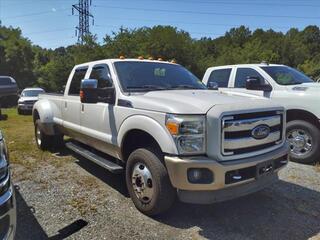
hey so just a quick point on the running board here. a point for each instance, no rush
(107, 164)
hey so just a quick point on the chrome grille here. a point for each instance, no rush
(30, 102)
(238, 137)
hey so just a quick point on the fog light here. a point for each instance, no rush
(200, 175)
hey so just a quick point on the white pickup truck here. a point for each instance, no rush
(170, 134)
(299, 94)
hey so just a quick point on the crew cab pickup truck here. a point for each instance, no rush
(299, 94)
(170, 134)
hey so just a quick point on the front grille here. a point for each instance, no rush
(29, 102)
(4, 184)
(238, 132)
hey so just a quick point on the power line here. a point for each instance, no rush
(207, 13)
(49, 31)
(199, 23)
(233, 3)
(36, 13)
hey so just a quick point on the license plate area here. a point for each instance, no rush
(264, 169)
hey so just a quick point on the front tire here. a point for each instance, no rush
(304, 141)
(148, 182)
(44, 141)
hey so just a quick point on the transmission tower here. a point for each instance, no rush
(84, 16)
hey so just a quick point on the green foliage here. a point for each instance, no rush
(32, 65)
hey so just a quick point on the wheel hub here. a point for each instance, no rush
(38, 136)
(142, 182)
(300, 142)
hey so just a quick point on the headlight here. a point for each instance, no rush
(3, 159)
(188, 132)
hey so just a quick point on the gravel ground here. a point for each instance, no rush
(75, 199)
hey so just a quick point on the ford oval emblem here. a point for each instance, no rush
(260, 132)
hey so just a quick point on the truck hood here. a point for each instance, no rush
(191, 101)
(22, 99)
(307, 87)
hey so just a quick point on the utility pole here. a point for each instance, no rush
(84, 16)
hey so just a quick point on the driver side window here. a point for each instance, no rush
(243, 74)
(102, 74)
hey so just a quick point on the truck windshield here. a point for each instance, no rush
(284, 75)
(31, 93)
(155, 76)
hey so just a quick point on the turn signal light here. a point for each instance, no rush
(173, 127)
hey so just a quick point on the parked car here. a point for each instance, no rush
(27, 99)
(8, 91)
(166, 130)
(7, 196)
(286, 86)
(8, 86)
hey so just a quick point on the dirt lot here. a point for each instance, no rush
(61, 195)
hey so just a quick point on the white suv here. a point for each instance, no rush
(284, 85)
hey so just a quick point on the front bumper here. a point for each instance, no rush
(178, 173)
(27, 107)
(8, 214)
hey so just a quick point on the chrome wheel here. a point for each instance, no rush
(38, 136)
(142, 182)
(300, 142)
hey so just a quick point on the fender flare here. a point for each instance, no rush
(46, 110)
(150, 126)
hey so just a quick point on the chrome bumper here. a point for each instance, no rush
(25, 106)
(8, 214)
(178, 168)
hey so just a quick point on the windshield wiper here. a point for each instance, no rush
(147, 87)
(185, 87)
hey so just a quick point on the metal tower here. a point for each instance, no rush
(84, 15)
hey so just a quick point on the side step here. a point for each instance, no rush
(109, 165)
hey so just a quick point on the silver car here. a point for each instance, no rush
(7, 196)
(27, 99)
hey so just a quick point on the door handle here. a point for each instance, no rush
(65, 105)
(82, 107)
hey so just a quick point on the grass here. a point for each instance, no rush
(28, 163)
(18, 131)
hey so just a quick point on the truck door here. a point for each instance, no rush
(97, 119)
(71, 104)
(241, 76)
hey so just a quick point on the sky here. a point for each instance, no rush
(50, 23)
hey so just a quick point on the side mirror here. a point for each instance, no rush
(90, 93)
(255, 83)
(213, 85)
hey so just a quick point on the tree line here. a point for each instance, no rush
(32, 65)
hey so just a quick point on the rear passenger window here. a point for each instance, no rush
(102, 74)
(221, 77)
(78, 75)
(243, 74)
(6, 81)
